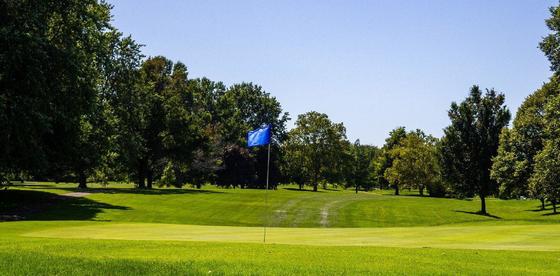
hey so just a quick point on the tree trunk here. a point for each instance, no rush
(482, 204)
(198, 185)
(315, 184)
(141, 175)
(396, 189)
(421, 190)
(554, 205)
(300, 186)
(82, 180)
(542, 203)
(357, 188)
(150, 178)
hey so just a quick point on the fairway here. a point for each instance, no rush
(121, 230)
(511, 237)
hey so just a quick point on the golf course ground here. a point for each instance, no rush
(53, 228)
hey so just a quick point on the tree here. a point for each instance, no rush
(51, 59)
(509, 168)
(550, 44)
(415, 163)
(359, 173)
(319, 142)
(515, 162)
(293, 162)
(471, 141)
(384, 160)
(156, 119)
(244, 107)
(545, 181)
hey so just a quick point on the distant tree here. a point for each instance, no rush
(157, 127)
(244, 107)
(320, 143)
(415, 163)
(359, 173)
(471, 141)
(384, 160)
(293, 162)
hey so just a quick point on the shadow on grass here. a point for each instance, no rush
(37, 205)
(551, 214)
(109, 190)
(303, 190)
(32, 185)
(414, 195)
(478, 213)
(540, 209)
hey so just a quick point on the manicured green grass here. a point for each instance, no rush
(123, 231)
(509, 237)
(287, 208)
(31, 256)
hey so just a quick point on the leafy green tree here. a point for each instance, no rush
(384, 160)
(359, 173)
(545, 181)
(157, 123)
(244, 107)
(293, 162)
(515, 162)
(471, 141)
(550, 44)
(207, 159)
(509, 168)
(415, 163)
(320, 143)
(52, 59)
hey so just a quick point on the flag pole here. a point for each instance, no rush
(266, 193)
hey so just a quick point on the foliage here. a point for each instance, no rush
(384, 160)
(415, 163)
(471, 141)
(550, 44)
(360, 170)
(514, 164)
(545, 181)
(244, 107)
(318, 145)
(52, 60)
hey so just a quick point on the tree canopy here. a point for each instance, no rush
(471, 141)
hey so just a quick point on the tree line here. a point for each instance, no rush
(80, 102)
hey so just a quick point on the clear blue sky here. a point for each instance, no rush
(373, 65)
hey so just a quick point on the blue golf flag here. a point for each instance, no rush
(259, 136)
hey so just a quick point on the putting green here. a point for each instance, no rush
(502, 237)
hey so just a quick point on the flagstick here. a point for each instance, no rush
(266, 194)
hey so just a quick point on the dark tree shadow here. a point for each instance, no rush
(550, 214)
(547, 206)
(414, 195)
(31, 185)
(37, 205)
(332, 189)
(478, 213)
(303, 190)
(110, 190)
